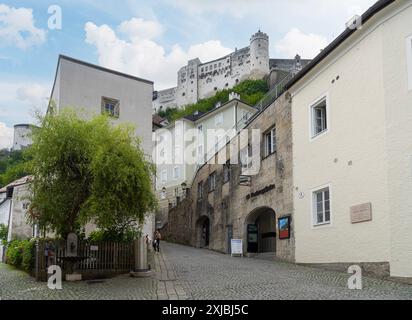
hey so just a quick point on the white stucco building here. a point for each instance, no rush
(90, 90)
(352, 145)
(186, 144)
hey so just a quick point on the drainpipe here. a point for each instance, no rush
(10, 196)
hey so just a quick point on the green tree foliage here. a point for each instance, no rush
(13, 166)
(251, 91)
(88, 171)
(4, 230)
(21, 254)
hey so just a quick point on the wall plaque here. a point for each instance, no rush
(361, 213)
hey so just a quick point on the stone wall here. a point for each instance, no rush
(230, 205)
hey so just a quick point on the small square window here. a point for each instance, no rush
(219, 119)
(321, 206)
(319, 117)
(226, 172)
(111, 107)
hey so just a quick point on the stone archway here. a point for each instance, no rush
(203, 232)
(260, 233)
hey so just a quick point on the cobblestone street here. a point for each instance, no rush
(185, 272)
(204, 274)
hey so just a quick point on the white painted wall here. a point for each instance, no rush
(82, 87)
(369, 126)
(356, 133)
(398, 113)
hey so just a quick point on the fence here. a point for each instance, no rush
(94, 260)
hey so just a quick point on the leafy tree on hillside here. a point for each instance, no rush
(251, 91)
(88, 171)
(12, 166)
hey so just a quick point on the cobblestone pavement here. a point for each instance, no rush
(204, 274)
(187, 273)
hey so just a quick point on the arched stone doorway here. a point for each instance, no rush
(261, 231)
(203, 232)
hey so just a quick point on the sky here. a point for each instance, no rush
(146, 38)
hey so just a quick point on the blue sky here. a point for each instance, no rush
(148, 38)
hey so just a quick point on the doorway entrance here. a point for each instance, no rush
(203, 232)
(261, 231)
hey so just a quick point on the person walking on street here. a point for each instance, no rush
(157, 237)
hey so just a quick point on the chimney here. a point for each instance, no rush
(234, 95)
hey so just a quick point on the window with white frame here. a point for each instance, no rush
(246, 158)
(218, 119)
(176, 173)
(319, 117)
(321, 206)
(163, 194)
(200, 128)
(409, 60)
(163, 176)
(111, 107)
(200, 154)
(270, 142)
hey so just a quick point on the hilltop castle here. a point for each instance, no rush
(199, 80)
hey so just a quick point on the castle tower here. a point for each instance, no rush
(187, 83)
(22, 136)
(259, 55)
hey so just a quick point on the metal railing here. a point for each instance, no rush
(274, 93)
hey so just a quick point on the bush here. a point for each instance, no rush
(29, 255)
(113, 235)
(14, 254)
(251, 91)
(21, 254)
(4, 230)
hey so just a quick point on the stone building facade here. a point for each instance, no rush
(236, 205)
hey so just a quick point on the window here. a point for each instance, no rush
(270, 142)
(176, 174)
(212, 182)
(200, 128)
(162, 194)
(200, 190)
(409, 60)
(226, 171)
(246, 157)
(319, 117)
(218, 119)
(321, 206)
(111, 107)
(200, 154)
(163, 176)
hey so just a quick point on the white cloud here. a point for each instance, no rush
(34, 94)
(17, 28)
(6, 136)
(138, 54)
(298, 42)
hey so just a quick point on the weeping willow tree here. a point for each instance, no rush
(88, 171)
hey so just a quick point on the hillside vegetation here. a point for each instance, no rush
(12, 166)
(251, 91)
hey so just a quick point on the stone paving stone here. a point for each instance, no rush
(205, 274)
(191, 273)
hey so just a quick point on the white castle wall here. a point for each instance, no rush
(201, 80)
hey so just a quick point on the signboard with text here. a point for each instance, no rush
(236, 247)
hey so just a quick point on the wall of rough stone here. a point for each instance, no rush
(230, 204)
